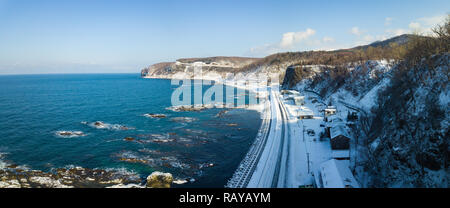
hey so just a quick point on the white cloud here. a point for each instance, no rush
(362, 38)
(388, 21)
(306, 40)
(425, 25)
(328, 39)
(395, 32)
(433, 21)
(422, 26)
(295, 41)
(368, 38)
(291, 38)
(414, 26)
(356, 31)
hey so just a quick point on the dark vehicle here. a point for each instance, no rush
(311, 132)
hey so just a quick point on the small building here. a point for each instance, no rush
(299, 100)
(333, 119)
(289, 92)
(339, 137)
(305, 114)
(283, 92)
(289, 98)
(336, 174)
(330, 110)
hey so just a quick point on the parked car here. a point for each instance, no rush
(311, 132)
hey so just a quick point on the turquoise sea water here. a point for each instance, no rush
(206, 146)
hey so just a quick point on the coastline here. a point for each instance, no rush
(53, 176)
(243, 173)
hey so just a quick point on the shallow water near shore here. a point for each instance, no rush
(99, 121)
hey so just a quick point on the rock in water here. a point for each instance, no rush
(159, 180)
(151, 115)
(129, 139)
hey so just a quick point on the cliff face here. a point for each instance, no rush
(183, 67)
(410, 128)
(277, 63)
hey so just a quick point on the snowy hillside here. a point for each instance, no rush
(410, 128)
(402, 131)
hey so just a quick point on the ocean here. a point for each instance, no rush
(107, 110)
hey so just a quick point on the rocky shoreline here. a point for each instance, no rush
(13, 176)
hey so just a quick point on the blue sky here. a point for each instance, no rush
(99, 36)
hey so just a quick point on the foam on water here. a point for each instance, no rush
(69, 134)
(102, 125)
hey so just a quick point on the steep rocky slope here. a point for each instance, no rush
(402, 134)
(410, 128)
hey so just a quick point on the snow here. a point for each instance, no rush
(304, 155)
(306, 152)
(289, 156)
(263, 176)
(337, 174)
(444, 98)
(126, 186)
(374, 145)
(341, 154)
(368, 101)
(338, 130)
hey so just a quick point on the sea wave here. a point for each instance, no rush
(184, 119)
(107, 126)
(3, 164)
(152, 160)
(69, 134)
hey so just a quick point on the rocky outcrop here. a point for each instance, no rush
(77, 177)
(159, 180)
(152, 115)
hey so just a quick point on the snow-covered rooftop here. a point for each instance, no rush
(290, 92)
(334, 119)
(340, 153)
(305, 112)
(337, 174)
(337, 130)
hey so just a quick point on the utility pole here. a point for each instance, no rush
(307, 156)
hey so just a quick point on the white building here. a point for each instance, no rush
(305, 114)
(330, 110)
(299, 100)
(336, 174)
(290, 92)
